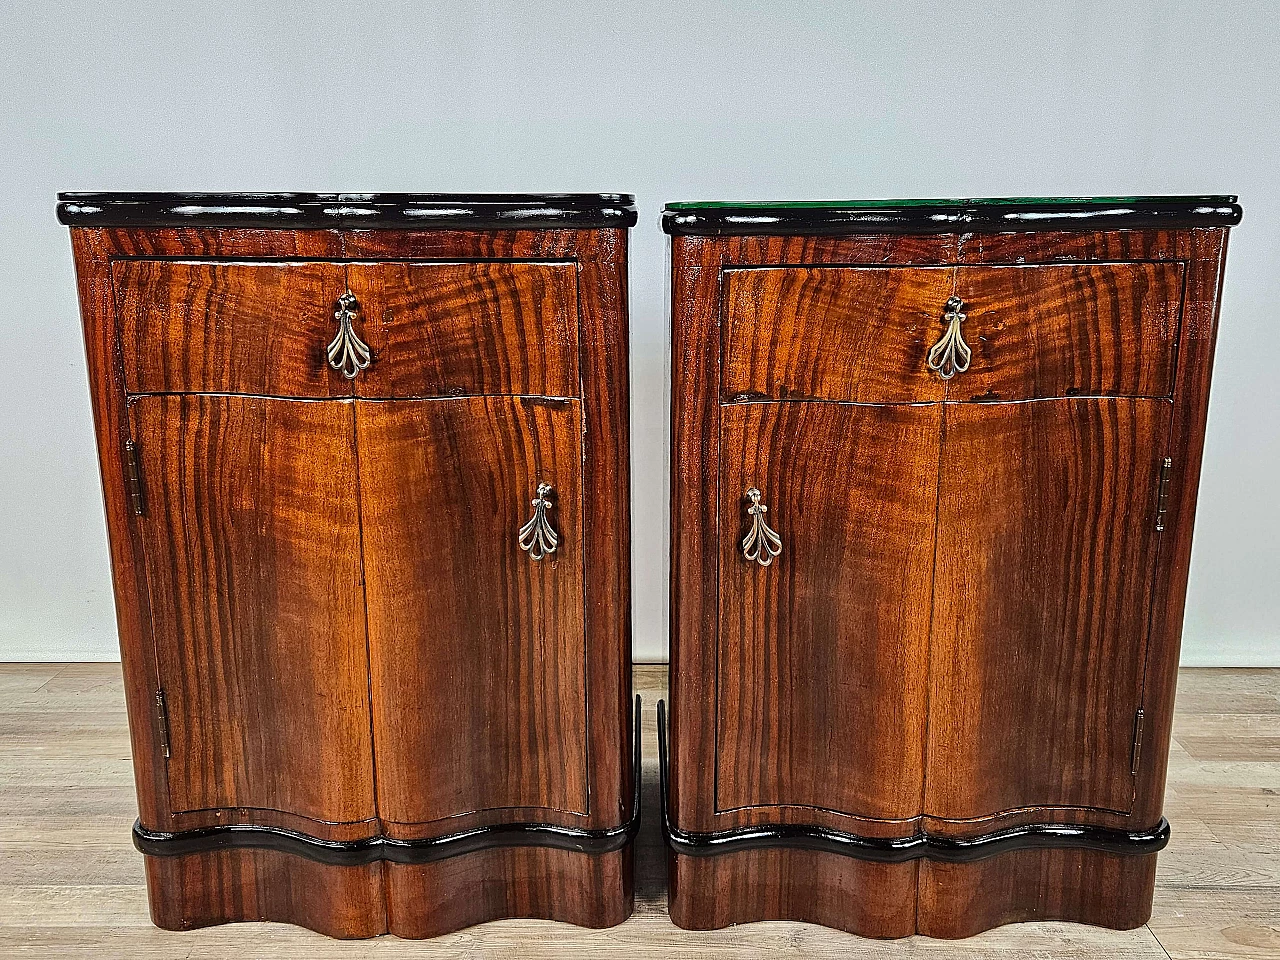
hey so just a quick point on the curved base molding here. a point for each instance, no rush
(891, 900)
(895, 887)
(415, 889)
(411, 901)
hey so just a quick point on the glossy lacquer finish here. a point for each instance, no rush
(356, 702)
(945, 703)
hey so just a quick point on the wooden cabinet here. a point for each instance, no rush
(932, 498)
(365, 465)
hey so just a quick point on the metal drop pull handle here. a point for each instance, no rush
(348, 354)
(537, 538)
(762, 543)
(951, 354)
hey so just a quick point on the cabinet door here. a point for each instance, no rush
(252, 544)
(823, 654)
(1046, 558)
(476, 647)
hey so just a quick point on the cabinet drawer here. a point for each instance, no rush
(1097, 329)
(454, 329)
(864, 333)
(227, 327)
(832, 333)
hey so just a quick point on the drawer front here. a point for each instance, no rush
(833, 333)
(1095, 329)
(864, 334)
(457, 329)
(227, 327)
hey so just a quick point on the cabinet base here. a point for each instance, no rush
(944, 900)
(407, 900)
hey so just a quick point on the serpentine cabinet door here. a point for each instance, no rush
(461, 602)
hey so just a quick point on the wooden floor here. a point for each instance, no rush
(71, 883)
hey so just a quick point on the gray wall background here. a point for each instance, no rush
(759, 100)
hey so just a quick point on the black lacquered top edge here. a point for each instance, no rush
(349, 211)
(995, 215)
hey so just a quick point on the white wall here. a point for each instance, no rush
(764, 100)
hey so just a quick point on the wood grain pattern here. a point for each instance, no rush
(253, 560)
(695, 524)
(961, 900)
(824, 656)
(593, 891)
(845, 333)
(1042, 592)
(236, 885)
(476, 650)
(869, 899)
(255, 328)
(450, 329)
(1061, 331)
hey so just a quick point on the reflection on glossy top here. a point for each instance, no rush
(948, 215)
(349, 210)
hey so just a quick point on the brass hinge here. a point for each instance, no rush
(133, 474)
(1162, 495)
(1137, 742)
(162, 722)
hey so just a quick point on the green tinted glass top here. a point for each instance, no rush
(940, 202)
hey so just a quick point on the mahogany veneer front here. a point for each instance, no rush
(356, 703)
(946, 704)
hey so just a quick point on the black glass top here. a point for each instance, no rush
(350, 211)
(949, 215)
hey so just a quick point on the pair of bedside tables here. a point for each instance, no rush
(366, 470)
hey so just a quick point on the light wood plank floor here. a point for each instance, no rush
(71, 885)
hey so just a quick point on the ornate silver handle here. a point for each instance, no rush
(761, 543)
(348, 354)
(536, 537)
(951, 354)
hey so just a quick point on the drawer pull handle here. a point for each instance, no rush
(537, 538)
(951, 354)
(761, 543)
(348, 354)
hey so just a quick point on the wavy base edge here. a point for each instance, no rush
(411, 901)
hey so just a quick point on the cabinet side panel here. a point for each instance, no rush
(606, 494)
(111, 422)
(1207, 250)
(695, 456)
